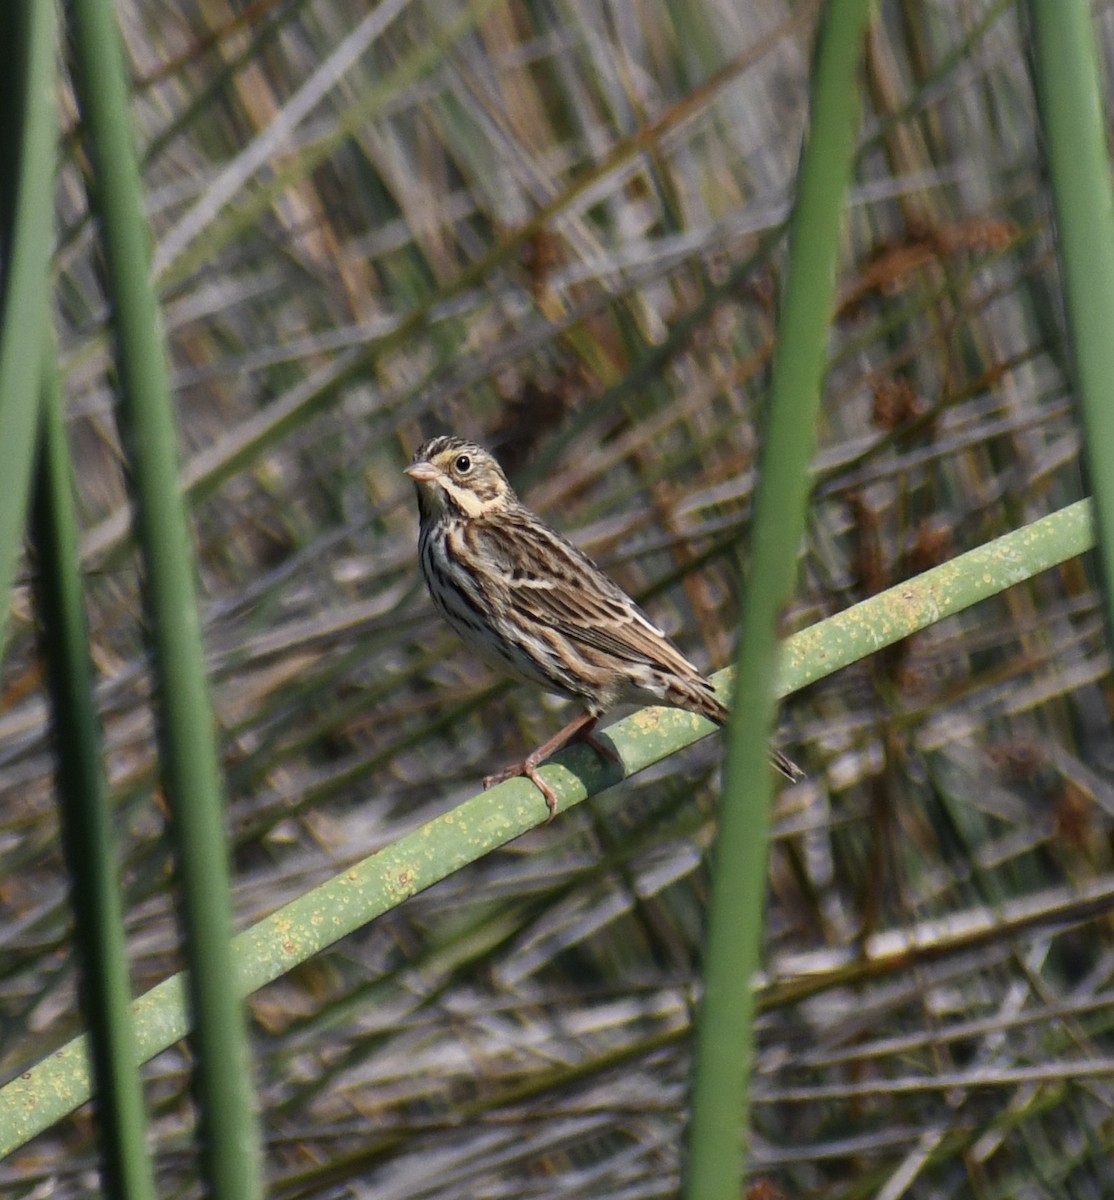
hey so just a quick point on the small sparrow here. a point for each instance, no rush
(534, 606)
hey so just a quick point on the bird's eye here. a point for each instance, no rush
(463, 464)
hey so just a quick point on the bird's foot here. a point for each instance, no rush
(529, 769)
(579, 729)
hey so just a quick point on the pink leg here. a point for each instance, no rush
(578, 729)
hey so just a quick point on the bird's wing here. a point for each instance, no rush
(551, 582)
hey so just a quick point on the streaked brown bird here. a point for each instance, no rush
(532, 605)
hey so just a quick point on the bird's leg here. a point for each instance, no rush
(578, 729)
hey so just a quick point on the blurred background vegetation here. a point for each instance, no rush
(557, 229)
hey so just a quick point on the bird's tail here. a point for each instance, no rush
(785, 765)
(711, 708)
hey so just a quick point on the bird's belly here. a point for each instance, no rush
(502, 652)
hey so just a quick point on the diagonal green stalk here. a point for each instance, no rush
(1069, 91)
(188, 753)
(47, 1091)
(724, 1044)
(86, 816)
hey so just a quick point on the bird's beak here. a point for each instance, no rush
(423, 472)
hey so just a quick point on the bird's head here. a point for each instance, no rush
(456, 477)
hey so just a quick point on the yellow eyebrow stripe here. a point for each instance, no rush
(472, 505)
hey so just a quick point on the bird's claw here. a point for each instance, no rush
(530, 771)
